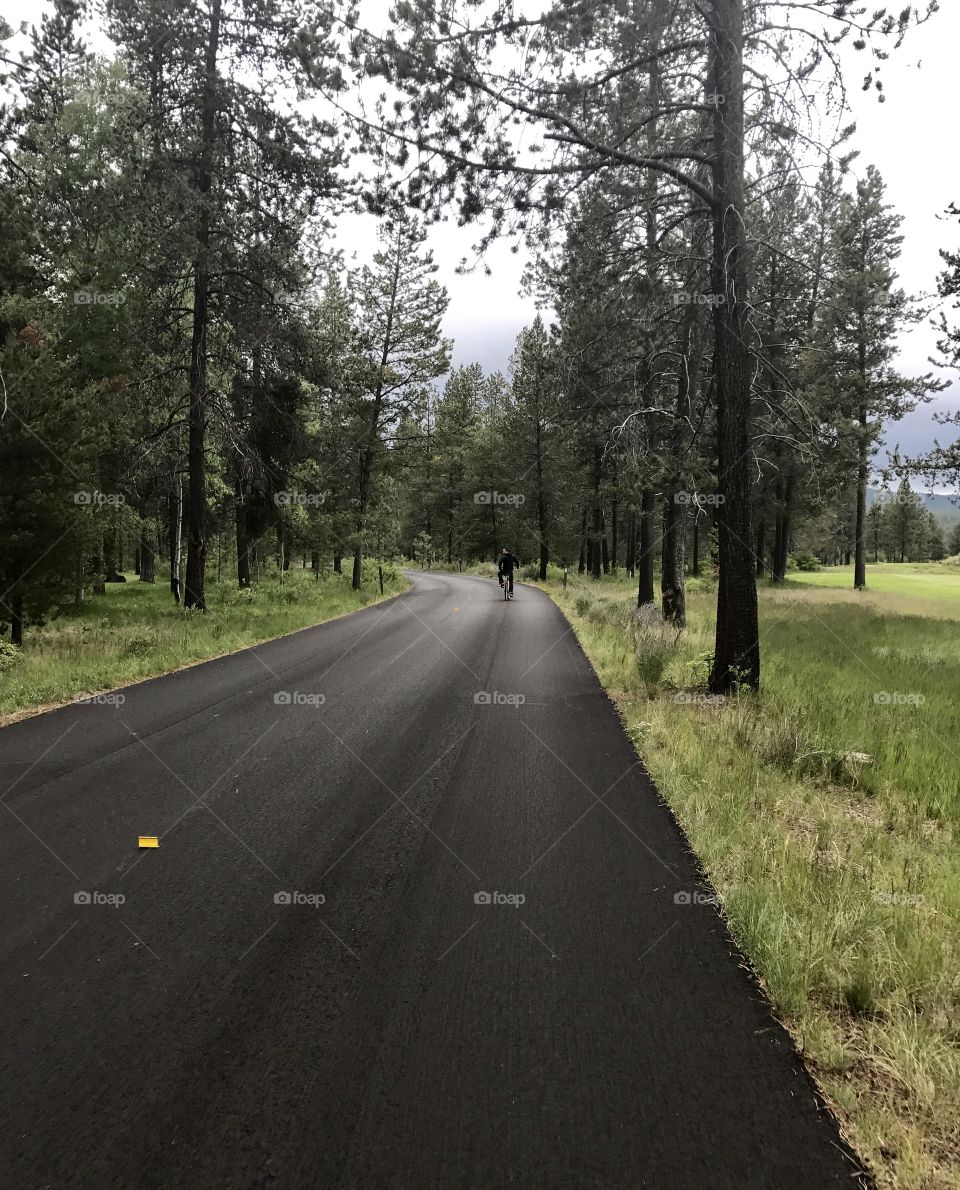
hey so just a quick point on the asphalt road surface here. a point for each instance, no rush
(417, 919)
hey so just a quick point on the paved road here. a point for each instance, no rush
(400, 1034)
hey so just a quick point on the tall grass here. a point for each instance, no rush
(135, 630)
(826, 810)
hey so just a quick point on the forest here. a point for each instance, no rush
(223, 422)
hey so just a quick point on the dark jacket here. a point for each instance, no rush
(507, 563)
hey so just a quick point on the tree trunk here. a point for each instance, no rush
(194, 596)
(645, 592)
(631, 543)
(582, 564)
(613, 533)
(736, 658)
(781, 548)
(337, 562)
(860, 559)
(147, 561)
(761, 550)
(175, 518)
(16, 618)
(243, 540)
(674, 604)
(541, 506)
(695, 559)
(99, 586)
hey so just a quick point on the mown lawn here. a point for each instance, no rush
(135, 630)
(826, 810)
(936, 583)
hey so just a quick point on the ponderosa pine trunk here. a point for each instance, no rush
(736, 660)
(194, 595)
(672, 585)
(175, 519)
(860, 544)
(645, 591)
(541, 504)
(16, 618)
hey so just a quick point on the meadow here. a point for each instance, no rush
(826, 812)
(135, 630)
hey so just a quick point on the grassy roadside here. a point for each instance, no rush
(826, 811)
(136, 631)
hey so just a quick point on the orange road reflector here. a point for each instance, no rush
(148, 841)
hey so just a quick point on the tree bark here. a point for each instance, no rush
(175, 517)
(195, 596)
(541, 504)
(860, 557)
(645, 591)
(16, 618)
(672, 587)
(736, 658)
(147, 559)
(243, 540)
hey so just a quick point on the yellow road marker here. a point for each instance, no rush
(148, 841)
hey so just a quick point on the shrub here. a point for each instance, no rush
(654, 642)
(805, 562)
(10, 655)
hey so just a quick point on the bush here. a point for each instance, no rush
(369, 574)
(654, 642)
(582, 604)
(10, 655)
(805, 562)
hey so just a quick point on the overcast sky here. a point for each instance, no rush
(908, 138)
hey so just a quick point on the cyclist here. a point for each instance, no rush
(505, 569)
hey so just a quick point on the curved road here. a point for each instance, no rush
(416, 920)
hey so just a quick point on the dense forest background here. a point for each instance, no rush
(195, 378)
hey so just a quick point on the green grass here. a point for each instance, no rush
(136, 631)
(927, 581)
(826, 810)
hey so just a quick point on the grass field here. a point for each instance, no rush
(933, 583)
(136, 631)
(826, 810)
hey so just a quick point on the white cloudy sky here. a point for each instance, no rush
(908, 138)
